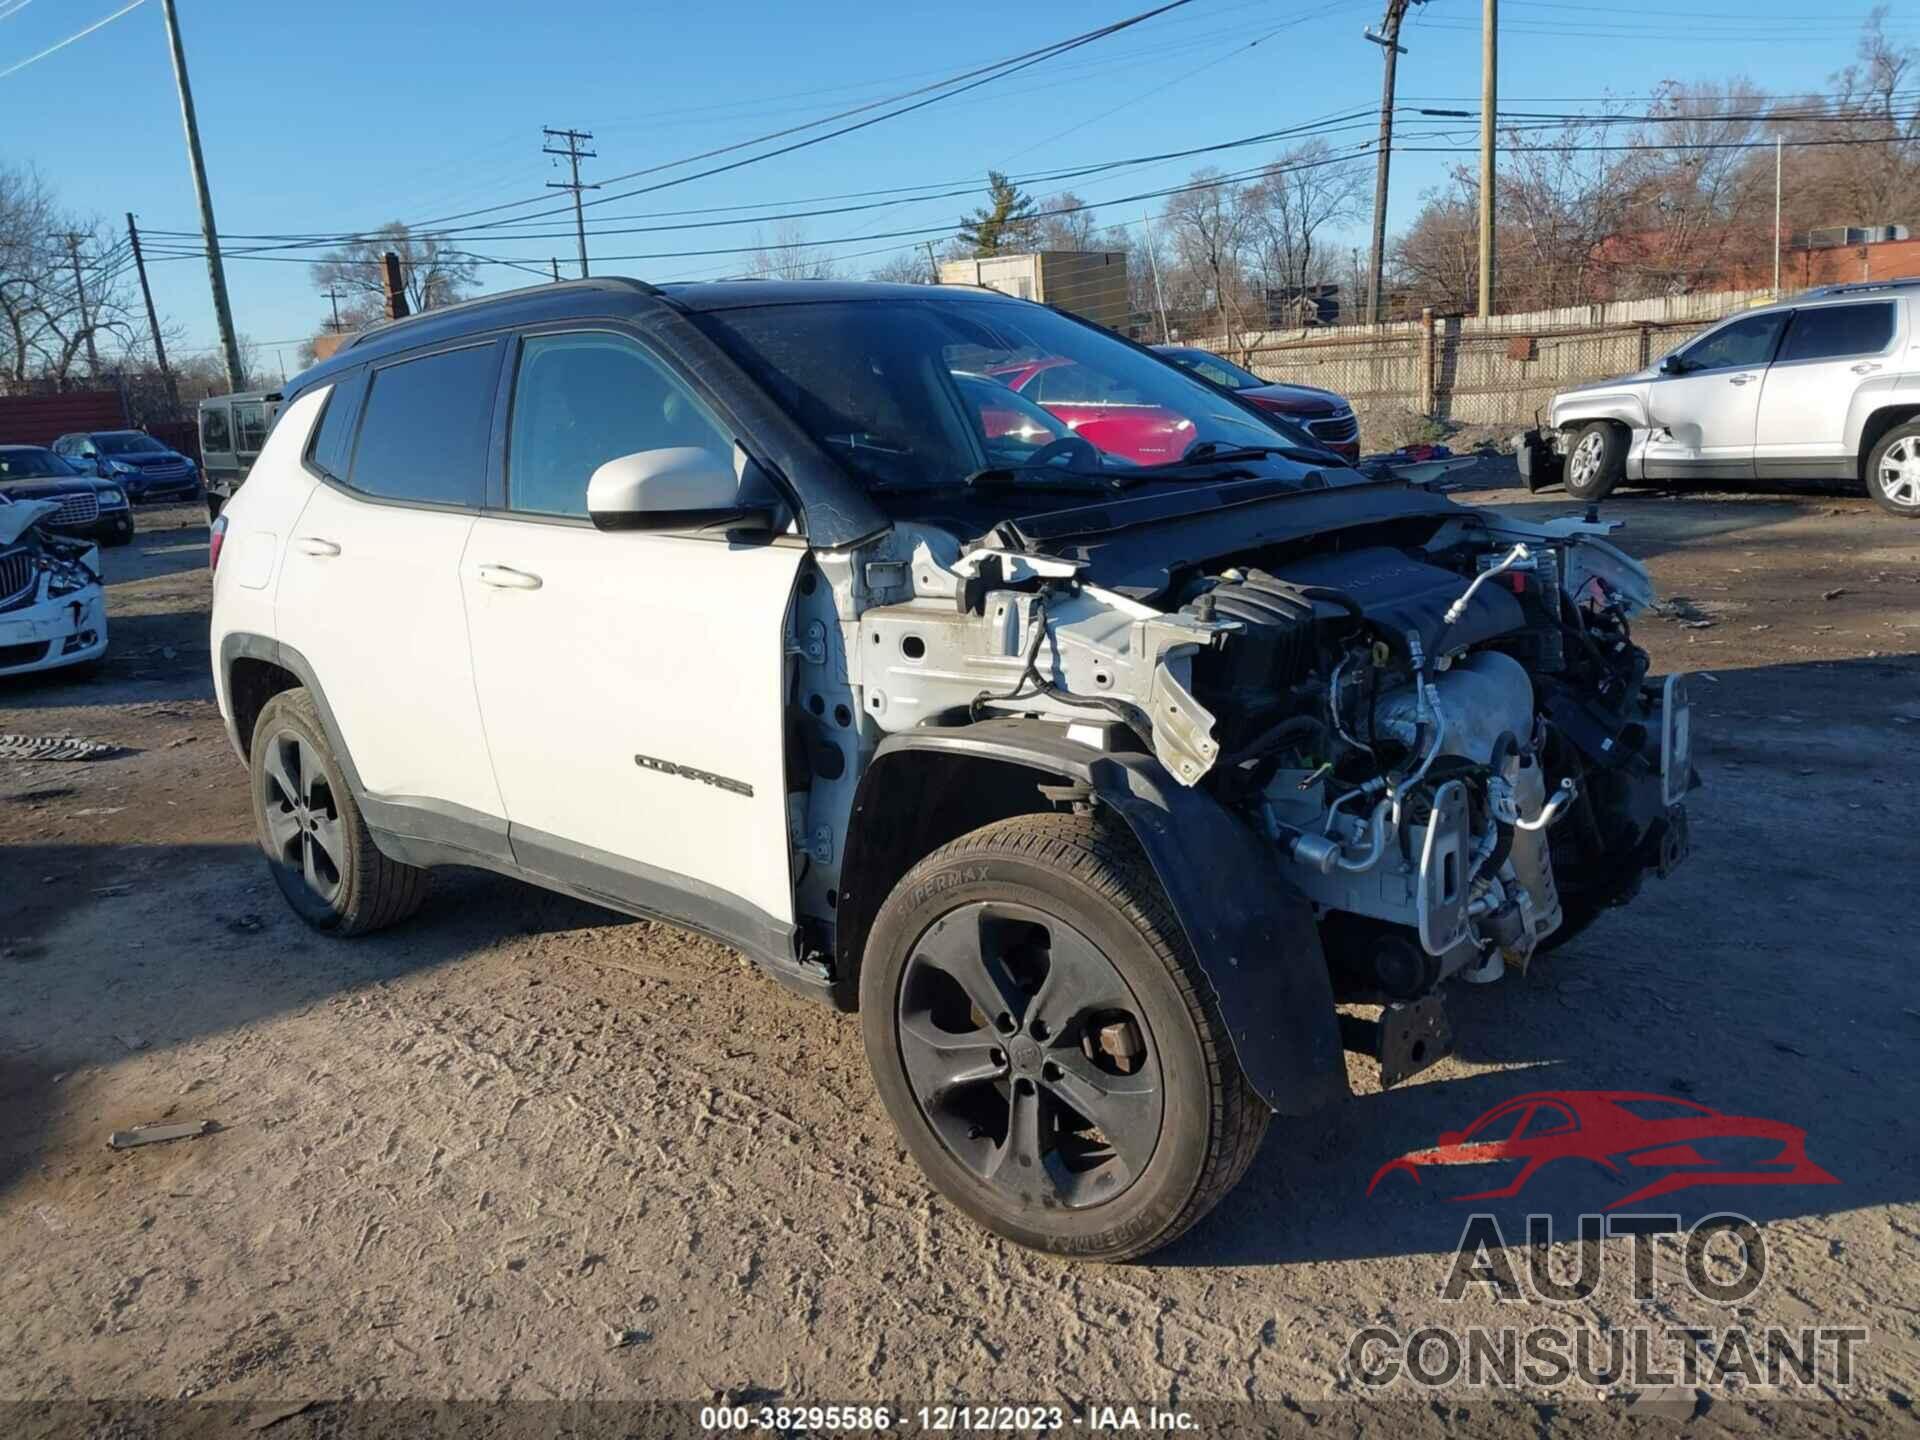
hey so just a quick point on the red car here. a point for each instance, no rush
(1621, 1131)
(1099, 409)
(1326, 416)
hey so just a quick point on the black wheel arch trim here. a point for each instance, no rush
(1253, 934)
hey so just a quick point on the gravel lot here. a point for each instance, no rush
(524, 1148)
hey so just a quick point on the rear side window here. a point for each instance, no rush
(213, 430)
(586, 398)
(1832, 331)
(426, 429)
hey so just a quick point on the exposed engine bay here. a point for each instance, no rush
(1439, 723)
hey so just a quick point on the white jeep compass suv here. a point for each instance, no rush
(1095, 786)
(1825, 386)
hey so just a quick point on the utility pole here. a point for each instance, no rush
(80, 290)
(216, 272)
(1489, 122)
(933, 266)
(1391, 50)
(333, 295)
(556, 269)
(1159, 295)
(1776, 217)
(573, 155)
(153, 318)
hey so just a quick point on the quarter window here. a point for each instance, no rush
(1831, 331)
(427, 427)
(585, 398)
(214, 434)
(1739, 346)
(333, 441)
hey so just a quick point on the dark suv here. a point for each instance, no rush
(133, 458)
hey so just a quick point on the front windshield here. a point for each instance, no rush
(128, 445)
(33, 465)
(912, 393)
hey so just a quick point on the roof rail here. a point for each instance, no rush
(593, 282)
(1859, 287)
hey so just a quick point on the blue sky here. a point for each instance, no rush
(343, 116)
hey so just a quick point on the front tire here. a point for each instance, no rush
(1596, 461)
(1047, 1044)
(1893, 471)
(316, 842)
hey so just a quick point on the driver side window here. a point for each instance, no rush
(1745, 344)
(585, 398)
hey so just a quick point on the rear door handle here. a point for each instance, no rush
(1738, 379)
(503, 577)
(1866, 367)
(313, 545)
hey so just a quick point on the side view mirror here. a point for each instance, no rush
(1673, 365)
(681, 487)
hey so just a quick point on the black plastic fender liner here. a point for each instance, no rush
(1253, 933)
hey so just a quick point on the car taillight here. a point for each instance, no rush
(216, 537)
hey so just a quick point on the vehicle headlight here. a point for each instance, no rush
(64, 578)
(112, 495)
(121, 467)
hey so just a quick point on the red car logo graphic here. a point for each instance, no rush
(1621, 1131)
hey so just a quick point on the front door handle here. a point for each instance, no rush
(1738, 379)
(503, 577)
(1865, 367)
(313, 545)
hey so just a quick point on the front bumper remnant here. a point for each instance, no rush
(1408, 1037)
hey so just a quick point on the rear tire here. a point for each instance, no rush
(1893, 471)
(1596, 461)
(1059, 927)
(316, 842)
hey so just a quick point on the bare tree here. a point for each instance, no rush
(53, 322)
(1436, 260)
(1294, 210)
(1064, 222)
(909, 267)
(433, 273)
(788, 257)
(1208, 229)
(1696, 201)
(1874, 176)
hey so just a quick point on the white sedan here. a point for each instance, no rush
(53, 608)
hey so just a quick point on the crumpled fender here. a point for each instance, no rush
(1253, 933)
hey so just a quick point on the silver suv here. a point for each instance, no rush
(1823, 387)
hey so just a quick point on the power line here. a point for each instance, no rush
(14, 69)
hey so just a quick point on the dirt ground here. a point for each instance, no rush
(521, 1147)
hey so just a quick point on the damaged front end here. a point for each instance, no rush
(1435, 728)
(53, 610)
